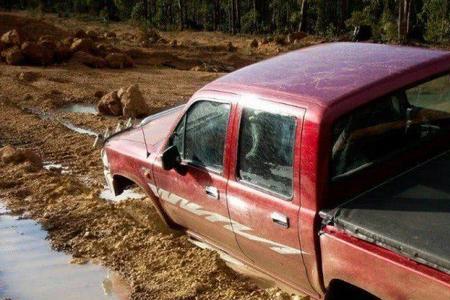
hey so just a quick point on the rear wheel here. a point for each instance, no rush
(341, 290)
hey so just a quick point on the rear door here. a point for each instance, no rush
(263, 191)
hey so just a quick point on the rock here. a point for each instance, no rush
(280, 39)
(119, 61)
(9, 154)
(92, 34)
(295, 36)
(120, 92)
(254, 43)
(83, 44)
(62, 52)
(13, 56)
(265, 40)
(11, 38)
(80, 34)
(231, 47)
(99, 94)
(68, 41)
(110, 35)
(33, 158)
(110, 104)
(89, 60)
(37, 54)
(28, 76)
(133, 103)
(282, 296)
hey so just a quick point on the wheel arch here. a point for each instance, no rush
(124, 181)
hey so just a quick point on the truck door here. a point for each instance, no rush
(263, 192)
(194, 195)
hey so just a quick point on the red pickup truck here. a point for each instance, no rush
(327, 168)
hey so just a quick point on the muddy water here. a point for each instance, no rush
(29, 269)
(126, 195)
(80, 108)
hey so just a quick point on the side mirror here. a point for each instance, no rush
(171, 158)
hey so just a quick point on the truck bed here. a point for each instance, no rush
(409, 214)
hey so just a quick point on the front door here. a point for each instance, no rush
(194, 195)
(263, 193)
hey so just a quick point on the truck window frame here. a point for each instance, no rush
(280, 112)
(183, 119)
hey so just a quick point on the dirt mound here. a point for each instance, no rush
(29, 28)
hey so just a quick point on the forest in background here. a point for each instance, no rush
(383, 20)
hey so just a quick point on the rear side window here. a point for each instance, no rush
(391, 125)
(266, 151)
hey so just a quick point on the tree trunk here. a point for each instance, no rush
(237, 15)
(145, 9)
(232, 17)
(303, 9)
(181, 13)
(404, 12)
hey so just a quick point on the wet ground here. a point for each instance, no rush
(30, 269)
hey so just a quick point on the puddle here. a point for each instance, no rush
(77, 129)
(30, 269)
(51, 116)
(126, 195)
(59, 167)
(80, 108)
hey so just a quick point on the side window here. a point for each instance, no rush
(266, 150)
(200, 136)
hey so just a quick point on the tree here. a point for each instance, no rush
(303, 10)
(404, 16)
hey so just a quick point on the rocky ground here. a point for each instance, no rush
(34, 90)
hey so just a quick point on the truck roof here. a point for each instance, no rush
(327, 73)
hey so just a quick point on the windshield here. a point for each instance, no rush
(390, 125)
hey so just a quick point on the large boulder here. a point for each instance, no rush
(110, 105)
(119, 60)
(89, 60)
(62, 52)
(47, 42)
(85, 45)
(37, 54)
(13, 56)
(11, 38)
(133, 103)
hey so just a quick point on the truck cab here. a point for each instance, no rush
(294, 166)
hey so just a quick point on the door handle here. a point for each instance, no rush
(280, 219)
(212, 192)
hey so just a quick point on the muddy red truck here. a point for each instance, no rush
(327, 168)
